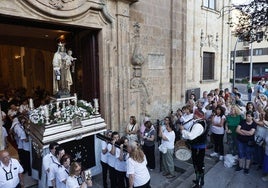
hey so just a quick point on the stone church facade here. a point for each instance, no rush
(150, 52)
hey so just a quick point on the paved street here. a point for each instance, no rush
(216, 176)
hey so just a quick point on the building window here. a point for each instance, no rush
(258, 51)
(210, 4)
(208, 65)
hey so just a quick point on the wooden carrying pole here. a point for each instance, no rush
(2, 145)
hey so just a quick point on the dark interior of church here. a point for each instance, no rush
(26, 54)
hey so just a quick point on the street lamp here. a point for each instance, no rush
(234, 64)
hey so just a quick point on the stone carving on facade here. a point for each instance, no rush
(208, 40)
(137, 82)
(68, 8)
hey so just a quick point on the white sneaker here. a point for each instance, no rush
(214, 154)
(221, 158)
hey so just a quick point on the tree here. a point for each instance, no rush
(252, 20)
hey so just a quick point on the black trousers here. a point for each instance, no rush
(218, 143)
(105, 167)
(20, 153)
(26, 162)
(112, 177)
(198, 156)
(147, 185)
(150, 156)
(122, 180)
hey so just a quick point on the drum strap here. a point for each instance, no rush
(187, 121)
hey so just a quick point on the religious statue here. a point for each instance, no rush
(69, 61)
(62, 78)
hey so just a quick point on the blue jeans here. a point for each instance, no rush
(249, 96)
(244, 151)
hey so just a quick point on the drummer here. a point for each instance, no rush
(196, 133)
(187, 116)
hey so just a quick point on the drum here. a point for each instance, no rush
(182, 152)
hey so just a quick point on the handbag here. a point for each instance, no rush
(162, 148)
(259, 140)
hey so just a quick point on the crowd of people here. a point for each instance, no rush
(219, 116)
(127, 161)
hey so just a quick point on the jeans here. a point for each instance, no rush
(249, 96)
(218, 143)
(258, 154)
(168, 162)
(245, 151)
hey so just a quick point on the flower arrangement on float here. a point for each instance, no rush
(61, 112)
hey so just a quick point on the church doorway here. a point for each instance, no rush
(26, 53)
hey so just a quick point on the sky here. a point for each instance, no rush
(237, 2)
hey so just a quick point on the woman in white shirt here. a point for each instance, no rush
(132, 129)
(136, 167)
(168, 139)
(217, 129)
(75, 179)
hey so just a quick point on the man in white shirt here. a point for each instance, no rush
(26, 150)
(10, 171)
(55, 165)
(4, 137)
(47, 161)
(104, 159)
(111, 159)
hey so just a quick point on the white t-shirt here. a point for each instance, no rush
(61, 175)
(169, 144)
(140, 171)
(16, 169)
(25, 145)
(72, 182)
(111, 158)
(187, 118)
(54, 167)
(47, 161)
(120, 165)
(24, 108)
(216, 129)
(18, 130)
(104, 157)
(4, 135)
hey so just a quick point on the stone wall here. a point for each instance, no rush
(149, 49)
(213, 23)
(161, 43)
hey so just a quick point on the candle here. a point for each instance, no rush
(31, 104)
(46, 112)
